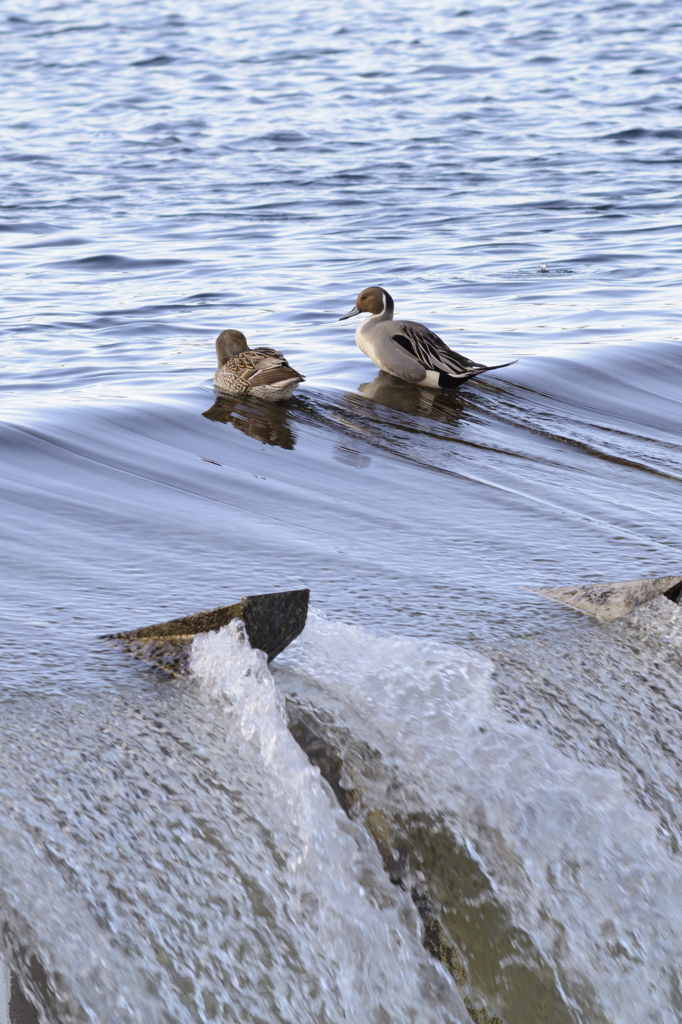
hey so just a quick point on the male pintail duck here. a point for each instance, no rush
(261, 372)
(407, 349)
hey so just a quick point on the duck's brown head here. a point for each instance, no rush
(228, 344)
(373, 300)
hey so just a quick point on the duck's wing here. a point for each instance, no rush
(256, 368)
(430, 350)
(269, 352)
(273, 374)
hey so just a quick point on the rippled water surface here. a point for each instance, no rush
(511, 174)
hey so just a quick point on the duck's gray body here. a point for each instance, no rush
(261, 372)
(407, 349)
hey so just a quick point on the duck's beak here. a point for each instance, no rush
(354, 312)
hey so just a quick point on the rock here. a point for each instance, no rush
(272, 621)
(609, 601)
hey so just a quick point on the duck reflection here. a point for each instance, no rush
(385, 389)
(262, 421)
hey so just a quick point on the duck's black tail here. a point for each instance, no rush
(450, 380)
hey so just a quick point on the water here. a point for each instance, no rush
(169, 172)
(561, 841)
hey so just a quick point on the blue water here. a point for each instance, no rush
(511, 174)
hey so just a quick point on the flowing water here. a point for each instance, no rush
(447, 791)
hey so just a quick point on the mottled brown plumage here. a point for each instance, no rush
(262, 372)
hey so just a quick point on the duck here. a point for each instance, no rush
(409, 350)
(261, 372)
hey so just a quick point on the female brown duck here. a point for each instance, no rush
(261, 372)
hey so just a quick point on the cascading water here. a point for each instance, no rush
(563, 845)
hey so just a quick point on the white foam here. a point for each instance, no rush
(88, 976)
(569, 851)
(354, 933)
